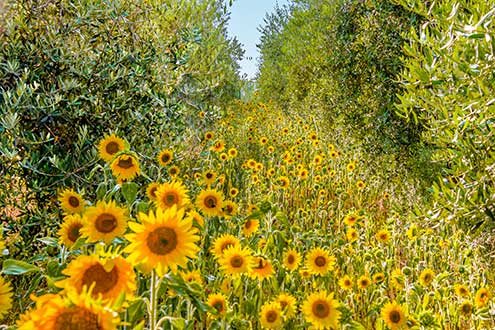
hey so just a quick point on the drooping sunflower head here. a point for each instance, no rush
(104, 222)
(271, 316)
(236, 261)
(172, 194)
(292, 258)
(69, 231)
(5, 297)
(125, 166)
(287, 304)
(165, 157)
(394, 316)
(250, 227)
(163, 240)
(319, 261)
(426, 277)
(321, 310)
(218, 301)
(71, 202)
(110, 146)
(378, 277)
(224, 242)
(262, 268)
(210, 202)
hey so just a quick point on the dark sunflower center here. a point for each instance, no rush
(364, 283)
(283, 304)
(236, 262)
(211, 202)
(247, 225)
(291, 259)
(77, 318)
(74, 201)
(209, 175)
(321, 309)
(229, 209)
(466, 309)
(153, 191)
(125, 163)
(171, 198)
(73, 233)
(427, 278)
(173, 171)
(483, 295)
(347, 283)
(226, 246)
(104, 281)
(320, 261)
(271, 316)
(395, 316)
(112, 148)
(106, 223)
(162, 240)
(260, 264)
(218, 305)
(165, 158)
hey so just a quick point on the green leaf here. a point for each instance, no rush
(129, 191)
(50, 241)
(17, 267)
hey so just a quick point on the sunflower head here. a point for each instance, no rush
(364, 282)
(218, 301)
(172, 194)
(482, 297)
(110, 146)
(125, 165)
(346, 282)
(5, 297)
(151, 190)
(165, 157)
(292, 258)
(104, 222)
(250, 227)
(210, 202)
(319, 261)
(224, 242)
(271, 316)
(383, 236)
(287, 304)
(426, 277)
(321, 310)
(71, 201)
(236, 261)
(394, 316)
(262, 268)
(69, 231)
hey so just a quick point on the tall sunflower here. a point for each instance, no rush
(271, 316)
(224, 242)
(104, 222)
(71, 201)
(292, 258)
(210, 202)
(170, 194)
(164, 240)
(5, 297)
(110, 146)
(394, 316)
(70, 229)
(219, 302)
(321, 310)
(319, 261)
(236, 261)
(107, 275)
(125, 166)
(346, 282)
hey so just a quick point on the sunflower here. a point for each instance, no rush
(72, 311)
(223, 242)
(426, 277)
(292, 258)
(482, 297)
(378, 277)
(151, 190)
(383, 236)
(5, 297)
(346, 282)
(364, 282)
(287, 304)
(219, 302)
(164, 240)
(271, 316)
(192, 276)
(71, 202)
(110, 146)
(351, 219)
(197, 219)
(172, 194)
(125, 166)
(223, 156)
(351, 166)
(69, 231)
(104, 222)
(209, 177)
(229, 209)
(351, 234)
(394, 316)
(319, 261)
(236, 260)
(210, 202)
(219, 146)
(209, 135)
(232, 152)
(165, 157)
(466, 308)
(320, 309)
(461, 290)
(263, 140)
(250, 227)
(360, 184)
(107, 275)
(174, 171)
(262, 269)
(283, 182)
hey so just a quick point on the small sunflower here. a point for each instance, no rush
(110, 146)
(378, 277)
(209, 135)
(164, 240)
(233, 192)
(5, 297)
(319, 261)
(346, 282)
(351, 219)
(250, 227)
(104, 222)
(271, 316)
(482, 297)
(383, 236)
(292, 258)
(165, 157)
(71, 201)
(283, 182)
(426, 277)
(218, 301)
(224, 242)
(351, 166)
(287, 304)
(125, 166)
(210, 202)
(173, 171)
(394, 316)
(236, 261)
(219, 146)
(360, 184)
(262, 269)
(320, 309)
(209, 177)
(229, 209)
(351, 235)
(232, 152)
(364, 282)
(151, 191)
(192, 276)
(462, 290)
(69, 231)
(170, 194)
(466, 308)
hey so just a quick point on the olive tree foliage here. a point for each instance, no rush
(449, 89)
(72, 71)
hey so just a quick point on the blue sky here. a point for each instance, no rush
(246, 16)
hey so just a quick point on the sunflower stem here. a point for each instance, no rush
(153, 301)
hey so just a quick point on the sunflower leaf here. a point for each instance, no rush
(129, 191)
(17, 267)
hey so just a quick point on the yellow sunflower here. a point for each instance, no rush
(197, 219)
(172, 194)
(165, 157)
(71, 202)
(351, 235)
(351, 219)
(346, 282)
(173, 171)
(364, 282)
(250, 227)
(482, 297)
(236, 261)
(287, 304)
(210, 202)
(462, 290)
(229, 209)
(104, 222)
(466, 308)
(283, 182)
(320, 309)
(209, 177)
(319, 261)
(219, 146)
(110, 146)
(72, 311)
(125, 166)
(378, 277)
(394, 316)
(383, 236)
(292, 258)
(151, 190)
(219, 302)
(426, 277)
(224, 242)
(209, 135)
(233, 192)
(5, 297)
(69, 231)
(107, 276)
(262, 269)
(232, 152)
(192, 276)
(164, 240)
(271, 316)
